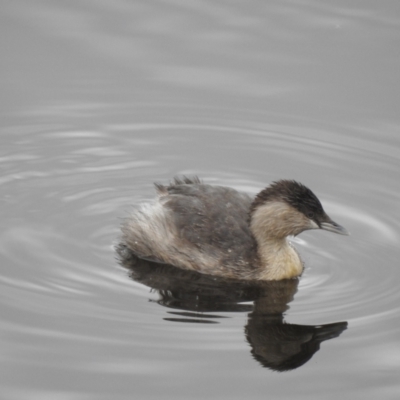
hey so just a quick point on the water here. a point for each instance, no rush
(100, 99)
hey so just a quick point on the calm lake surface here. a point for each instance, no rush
(102, 98)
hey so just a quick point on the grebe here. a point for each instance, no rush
(217, 230)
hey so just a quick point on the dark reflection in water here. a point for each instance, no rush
(274, 343)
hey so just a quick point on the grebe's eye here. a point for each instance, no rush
(310, 215)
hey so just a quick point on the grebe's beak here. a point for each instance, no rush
(332, 226)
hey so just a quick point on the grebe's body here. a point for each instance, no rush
(219, 231)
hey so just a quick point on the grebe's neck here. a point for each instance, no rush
(270, 224)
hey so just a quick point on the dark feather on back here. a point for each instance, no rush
(213, 218)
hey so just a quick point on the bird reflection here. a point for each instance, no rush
(275, 344)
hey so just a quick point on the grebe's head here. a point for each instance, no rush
(294, 208)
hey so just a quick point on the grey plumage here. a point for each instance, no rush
(219, 231)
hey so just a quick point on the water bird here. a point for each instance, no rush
(218, 230)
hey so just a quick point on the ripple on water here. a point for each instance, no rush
(60, 258)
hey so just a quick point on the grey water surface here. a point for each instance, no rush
(102, 98)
